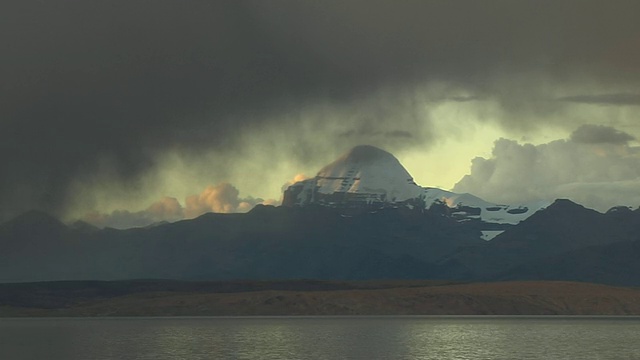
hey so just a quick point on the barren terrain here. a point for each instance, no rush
(174, 298)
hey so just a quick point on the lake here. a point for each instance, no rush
(410, 337)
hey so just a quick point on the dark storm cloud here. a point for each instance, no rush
(88, 83)
(600, 134)
(366, 132)
(605, 99)
(464, 98)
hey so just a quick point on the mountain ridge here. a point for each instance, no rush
(321, 243)
(359, 239)
(369, 177)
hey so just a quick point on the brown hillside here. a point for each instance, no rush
(500, 298)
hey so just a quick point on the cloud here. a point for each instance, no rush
(605, 99)
(166, 209)
(371, 133)
(220, 198)
(464, 98)
(296, 178)
(130, 83)
(600, 134)
(595, 167)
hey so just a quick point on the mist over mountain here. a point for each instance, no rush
(361, 217)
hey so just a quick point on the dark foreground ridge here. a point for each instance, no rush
(312, 297)
(564, 242)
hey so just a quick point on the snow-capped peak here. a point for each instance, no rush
(368, 170)
(367, 175)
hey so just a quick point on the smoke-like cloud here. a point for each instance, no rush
(88, 83)
(166, 209)
(595, 166)
(220, 198)
(605, 99)
(600, 134)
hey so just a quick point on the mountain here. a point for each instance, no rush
(362, 217)
(551, 233)
(601, 248)
(266, 243)
(364, 175)
(33, 232)
(37, 244)
(564, 241)
(615, 264)
(565, 226)
(367, 177)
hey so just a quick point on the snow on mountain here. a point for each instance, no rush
(368, 170)
(488, 212)
(369, 176)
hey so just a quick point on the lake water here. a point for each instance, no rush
(322, 338)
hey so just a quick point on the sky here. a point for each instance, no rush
(126, 113)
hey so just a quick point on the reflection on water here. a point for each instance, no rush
(321, 338)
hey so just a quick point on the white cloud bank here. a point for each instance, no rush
(595, 167)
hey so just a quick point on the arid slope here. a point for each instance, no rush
(325, 298)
